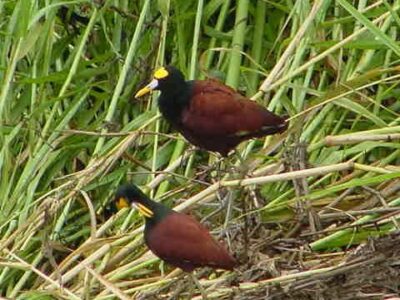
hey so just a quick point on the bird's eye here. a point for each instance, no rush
(109, 210)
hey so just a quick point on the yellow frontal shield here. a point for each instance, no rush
(121, 203)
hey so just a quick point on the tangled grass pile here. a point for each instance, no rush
(309, 213)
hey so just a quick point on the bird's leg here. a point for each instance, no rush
(238, 156)
(161, 267)
(245, 228)
(191, 287)
(216, 163)
(199, 286)
(221, 164)
(240, 166)
(297, 160)
(213, 168)
(242, 172)
(182, 284)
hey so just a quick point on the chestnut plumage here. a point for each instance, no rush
(208, 113)
(176, 238)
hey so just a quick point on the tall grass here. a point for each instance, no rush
(71, 132)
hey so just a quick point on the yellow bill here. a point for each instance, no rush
(145, 211)
(147, 89)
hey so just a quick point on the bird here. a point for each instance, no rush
(208, 113)
(176, 238)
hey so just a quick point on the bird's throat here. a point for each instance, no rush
(173, 101)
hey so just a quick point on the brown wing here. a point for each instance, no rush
(183, 242)
(217, 110)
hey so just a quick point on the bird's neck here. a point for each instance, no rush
(159, 210)
(174, 100)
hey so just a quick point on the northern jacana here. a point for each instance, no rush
(208, 113)
(176, 238)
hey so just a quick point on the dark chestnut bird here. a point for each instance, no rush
(208, 113)
(174, 237)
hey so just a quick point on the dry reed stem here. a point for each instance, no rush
(41, 274)
(354, 138)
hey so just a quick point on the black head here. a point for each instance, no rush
(129, 195)
(166, 79)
